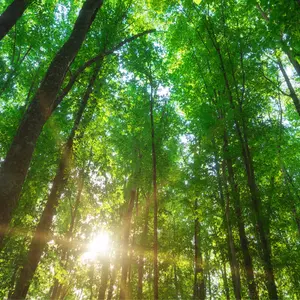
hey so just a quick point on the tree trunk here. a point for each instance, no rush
(125, 258)
(143, 244)
(199, 284)
(293, 94)
(11, 15)
(104, 279)
(248, 163)
(233, 262)
(113, 277)
(241, 226)
(56, 289)
(15, 166)
(155, 202)
(226, 287)
(235, 268)
(41, 236)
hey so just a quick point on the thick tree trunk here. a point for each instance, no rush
(15, 166)
(241, 226)
(11, 15)
(104, 279)
(125, 258)
(199, 284)
(41, 236)
(155, 202)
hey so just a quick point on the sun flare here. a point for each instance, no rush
(99, 246)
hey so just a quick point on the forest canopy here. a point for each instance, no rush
(149, 149)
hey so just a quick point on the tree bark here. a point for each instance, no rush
(143, 244)
(113, 277)
(199, 284)
(254, 192)
(11, 15)
(155, 202)
(41, 236)
(293, 94)
(15, 166)
(104, 279)
(233, 262)
(57, 287)
(125, 258)
(248, 265)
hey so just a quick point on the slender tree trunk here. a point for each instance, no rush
(176, 283)
(15, 166)
(104, 279)
(11, 15)
(125, 258)
(241, 226)
(293, 94)
(155, 202)
(56, 289)
(256, 201)
(233, 262)
(143, 244)
(235, 268)
(113, 277)
(41, 236)
(199, 284)
(225, 281)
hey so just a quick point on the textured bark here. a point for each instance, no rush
(244, 244)
(199, 283)
(41, 236)
(11, 15)
(15, 166)
(104, 279)
(125, 258)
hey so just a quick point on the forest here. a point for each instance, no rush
(148, 149)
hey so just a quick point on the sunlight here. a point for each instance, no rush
(99, 246)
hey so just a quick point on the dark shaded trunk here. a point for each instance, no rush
(143, 244)
(41, 236)
(248, 163)
(176, 283)
(155, 202)
(293, 94)
(225, 282)
(104, 279)
(11, 15)
(113, 277)
(248, 265)
(125, 258)
(233, 262)
(15, 166)
(199, 284)
(292, 59)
